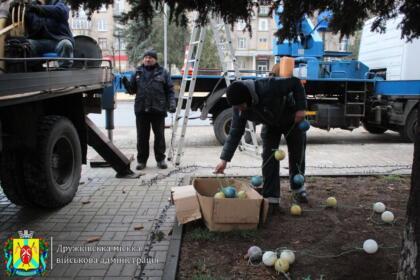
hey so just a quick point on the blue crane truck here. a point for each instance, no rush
(44, 126)
(342, 93)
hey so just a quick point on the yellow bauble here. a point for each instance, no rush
(241, 195)
(281, 265)
(295, 210)
(219, 195)
(279, 154)
(331, 202)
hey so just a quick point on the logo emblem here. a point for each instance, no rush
(25, 256)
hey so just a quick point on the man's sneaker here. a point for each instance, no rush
(300, 196)
(162, 164)
(141, 166)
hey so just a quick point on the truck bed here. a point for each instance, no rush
(18, 88)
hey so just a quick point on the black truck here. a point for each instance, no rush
(44, 126)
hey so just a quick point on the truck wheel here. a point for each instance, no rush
(374, 129)
(408, 131)
(11, 179)
(52, 173)
(221, 125)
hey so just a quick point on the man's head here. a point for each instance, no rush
(150, 58)
(238, 95)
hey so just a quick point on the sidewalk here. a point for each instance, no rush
(122, 96)
(124, 225)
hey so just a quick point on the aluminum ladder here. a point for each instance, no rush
(226, 53)
(227, 58)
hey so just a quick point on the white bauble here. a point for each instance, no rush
(269, 258)
(370, 246)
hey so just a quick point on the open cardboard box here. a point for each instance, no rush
(224, 214)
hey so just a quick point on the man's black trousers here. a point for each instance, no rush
(296, 145)
(143, 124)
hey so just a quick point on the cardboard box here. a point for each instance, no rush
(186, 204)
(223, 214)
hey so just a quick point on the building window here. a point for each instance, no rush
(241, 43)
(79, 23)
(263, 24)
(263, 11)
(240, 26)
(119, 6)
(263, 40)
(103, 43)
(262, 68)
(102, 25)
(263, 43)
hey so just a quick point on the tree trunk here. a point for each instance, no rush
(409, 267)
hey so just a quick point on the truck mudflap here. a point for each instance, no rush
(118, 161)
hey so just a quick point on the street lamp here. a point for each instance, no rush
(165, 36)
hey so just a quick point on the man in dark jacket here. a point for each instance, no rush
(49, 31)
(154, 91)
(279, 104)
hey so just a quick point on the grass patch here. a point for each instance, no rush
(392, 178)
(201, 271)
(310, 179)
(202, 234)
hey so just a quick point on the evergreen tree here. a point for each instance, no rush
(209, 57)
(141, 37)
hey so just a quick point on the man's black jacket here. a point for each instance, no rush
(50, 22)
(274, 103)
(154, 91)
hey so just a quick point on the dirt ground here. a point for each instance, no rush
(327, 242)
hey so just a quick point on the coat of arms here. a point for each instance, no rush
(25, 256)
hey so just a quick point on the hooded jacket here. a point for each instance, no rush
(274, 103)
(52, 24)
(154, 91)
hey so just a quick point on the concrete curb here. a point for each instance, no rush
(171, 263)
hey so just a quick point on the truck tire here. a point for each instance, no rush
(11, 178)
(222, 124)
(408, 131)
(374, 129)
(52, 173)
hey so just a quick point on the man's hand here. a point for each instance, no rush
(220, 168)
(299, 116)
(13, 4)
(126, 84)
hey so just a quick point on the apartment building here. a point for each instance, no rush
(253, 51)
(103, 26)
